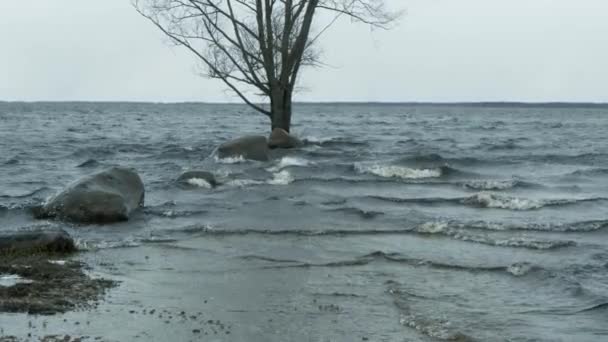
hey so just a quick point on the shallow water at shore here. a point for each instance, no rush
(392, 223)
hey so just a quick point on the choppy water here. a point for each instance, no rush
(413, 222)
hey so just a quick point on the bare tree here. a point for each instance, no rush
(257, 46)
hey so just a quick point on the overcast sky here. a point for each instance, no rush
(443, 50)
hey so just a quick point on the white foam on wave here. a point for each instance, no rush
(433, 227)
(290, 161)
(85, 245)
(443, 228)
(240, 183)
(490, 200)
(230, 160)
(436, 329)
(490, 184)
(316, 140)
(201, 183)
(281, 178)
(8, 280)
(520, 269)
(393, 171)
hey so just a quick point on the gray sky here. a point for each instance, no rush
(443, 50)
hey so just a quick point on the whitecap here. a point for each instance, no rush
(8, 280)
(57, 262)
(93, 245)
(290, 161)
(393, 171)
(201, 183)
(316, 140)
(437, 329)
(519, 269)
(281, 178)
(443, 228)
(432, 227)
(239, 183)
(490, 200)
(230, 160)
(490, 184)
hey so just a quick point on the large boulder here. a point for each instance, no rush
(198, 178)
(280, 138)
(254, 147)
(36, 241)
(107, 196)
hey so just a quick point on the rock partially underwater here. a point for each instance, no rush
(253, 147)
(38, 284)
(280, 138)
(107, 196)
(198, 178)
(37, 241)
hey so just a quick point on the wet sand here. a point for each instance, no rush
(186, 291)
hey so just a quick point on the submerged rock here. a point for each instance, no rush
(38, 241)
(107, 196)
(280, 138)
(254, 147)
(197, 178)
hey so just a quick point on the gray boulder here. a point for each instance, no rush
(280, 138)
(193, 177)
(38, 241)
(107, 196)
(253, 147)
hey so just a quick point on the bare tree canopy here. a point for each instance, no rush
(257, 45)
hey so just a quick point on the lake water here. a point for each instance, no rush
(395, 222)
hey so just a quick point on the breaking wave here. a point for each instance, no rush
(199, 182)
(289, 162)
(443, 228)
(490, 200)
(229, 160)
(493, 184)
(393, 171)
(280, 178)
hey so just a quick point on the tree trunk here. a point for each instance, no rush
(280, 103)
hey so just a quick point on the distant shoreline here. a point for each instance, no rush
(496, 104)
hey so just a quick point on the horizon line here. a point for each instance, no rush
(508, 102)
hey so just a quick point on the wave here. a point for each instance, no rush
(582, 226)
(12, 161)
(328, 141)
(443, 228)
(280, 178)
(229, 160)
(26, 195)
(89, 163)
(207, 230)
(393, 171)
(491, 201)
(94, 152)
(199, 182)
(592, 172)
(364, 214)
(509, 144)
(432, 228)
(290, 162)
(170, 213)
(437, 160)
(591, 159)
(495, 184)
(437, 329)
(89, 245)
